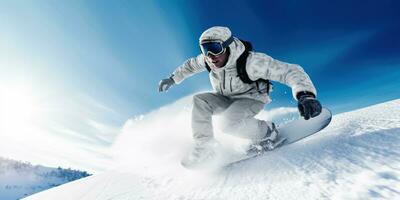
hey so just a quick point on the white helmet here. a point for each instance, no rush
(216, 33)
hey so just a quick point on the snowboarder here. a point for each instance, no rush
(240, 79)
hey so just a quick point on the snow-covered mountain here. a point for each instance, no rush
(356, 157)
(21, 179)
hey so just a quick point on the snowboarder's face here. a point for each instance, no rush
(220, 60)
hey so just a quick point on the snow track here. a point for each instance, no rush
(356, 157)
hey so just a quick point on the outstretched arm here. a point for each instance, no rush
(265, 67)
(187, 69)
(303, 90)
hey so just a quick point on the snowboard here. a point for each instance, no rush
(291, 132)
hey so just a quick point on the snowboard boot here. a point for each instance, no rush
(202, 151)
(267, 143)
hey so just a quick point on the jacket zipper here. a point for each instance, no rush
(224, 79)
(231, 84)
(222, 85)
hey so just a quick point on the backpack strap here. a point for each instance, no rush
(208, 68)
(241, 62)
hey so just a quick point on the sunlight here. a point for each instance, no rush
(18, 109)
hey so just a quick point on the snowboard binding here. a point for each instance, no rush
(266, 145)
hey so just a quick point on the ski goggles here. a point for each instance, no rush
(215, 47)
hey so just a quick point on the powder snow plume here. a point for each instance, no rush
(159, 140)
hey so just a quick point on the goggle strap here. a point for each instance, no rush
(228, 42)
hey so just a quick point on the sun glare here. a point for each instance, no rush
(18, 109)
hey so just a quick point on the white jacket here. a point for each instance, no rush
(226, 81)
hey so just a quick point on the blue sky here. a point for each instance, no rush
(91, 65)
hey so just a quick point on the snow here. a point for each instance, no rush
(355, 157)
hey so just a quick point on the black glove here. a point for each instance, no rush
(309, 107)
(165, 84)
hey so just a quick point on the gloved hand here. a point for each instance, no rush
(165, 84)
(309, 107)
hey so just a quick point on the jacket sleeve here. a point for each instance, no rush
(189, 68)
(263, 66)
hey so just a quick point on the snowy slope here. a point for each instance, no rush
(356, 157)
(21, 179)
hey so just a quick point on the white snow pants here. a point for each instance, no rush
(237, 114)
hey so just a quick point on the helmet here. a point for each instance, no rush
(216, 33)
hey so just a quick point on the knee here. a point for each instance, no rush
(228, 124)
(201, 104)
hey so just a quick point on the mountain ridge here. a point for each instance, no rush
(19, 179)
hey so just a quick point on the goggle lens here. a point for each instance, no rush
(214, 48)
